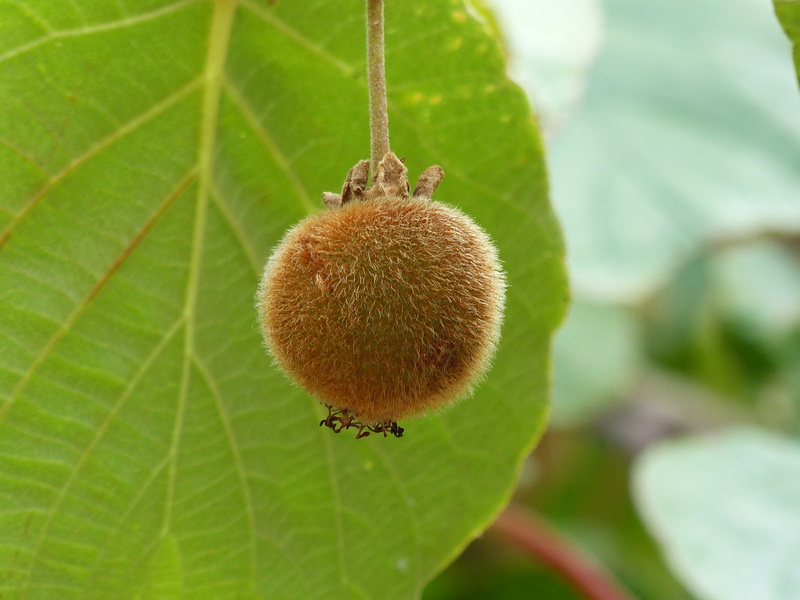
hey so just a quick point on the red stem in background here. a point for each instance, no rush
(531, 534)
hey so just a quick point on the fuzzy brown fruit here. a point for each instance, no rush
(385, 307)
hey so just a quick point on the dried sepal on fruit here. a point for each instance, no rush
(386, 305)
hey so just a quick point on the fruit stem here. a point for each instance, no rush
(376, 78)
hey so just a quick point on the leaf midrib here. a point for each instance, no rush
(219, 37)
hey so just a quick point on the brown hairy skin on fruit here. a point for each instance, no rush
(387, 306)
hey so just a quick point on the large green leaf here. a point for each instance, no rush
(151, 154)
(726, 510)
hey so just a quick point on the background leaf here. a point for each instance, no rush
(596, 355)
(552, 47)
(673, 132)
(151, 154)
(726, 510)
(670, 123)
(788, 12)
(689, 132)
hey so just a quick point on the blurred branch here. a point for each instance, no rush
(716, 245)
(664, 405)
(532, 535)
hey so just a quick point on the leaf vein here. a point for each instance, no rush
(237, 457)
(269, 18)
(100, 432)
(93, 292)
(91, 29)
(118, 134)
(266, 139)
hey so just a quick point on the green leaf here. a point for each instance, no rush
(788, 12)
(726, 511)
(689, 131)
(152, 153)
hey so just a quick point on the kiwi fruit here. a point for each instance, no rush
(384, 306)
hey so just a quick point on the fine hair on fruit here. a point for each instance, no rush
(386, 306)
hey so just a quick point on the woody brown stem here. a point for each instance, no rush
(376, 78)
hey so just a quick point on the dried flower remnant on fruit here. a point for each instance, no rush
(386, 305)
(339, 419)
